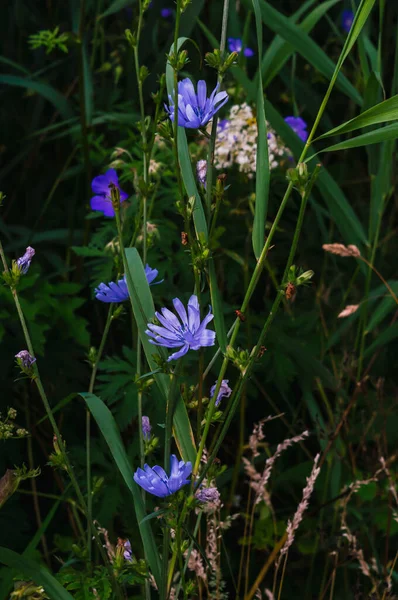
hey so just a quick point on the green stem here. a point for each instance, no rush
(47, 407)
(88, 428)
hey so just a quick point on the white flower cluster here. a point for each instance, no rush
(236, 142)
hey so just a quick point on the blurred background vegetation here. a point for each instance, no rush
(68, 99)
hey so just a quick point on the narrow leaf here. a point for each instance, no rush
(33, 570)
(262, 160)
(109, 430)
(44, 89)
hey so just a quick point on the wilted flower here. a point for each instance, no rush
(154, 480)
(195, 109)
(102, 199)
(225, 391)
(208, 494)
(348, 310)
(341, 250)
(299, 127)
(201, 171)
(25, 359)
(146, 428)
(236, 45)
(347, 18)
(24, 261)
(118, 292)
(189, 334)
(166, 13)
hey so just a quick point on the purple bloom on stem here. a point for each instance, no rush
(155, 480)
(24, 261)
(118, 292)
(166, 13)
(146, 428)
(236, 45)
(299, 127)
(209, 494)
(201, 171)
(102, 199)
(347, 18)
(127, 551)
(187, 332)
(25, 359)
(225, 391)
(195, 109)
(223, 124)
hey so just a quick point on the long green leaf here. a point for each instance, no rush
(144, 311)
(109, 430)
(33, 570)
(381, 134)
(279, 51)
(262, 160)
(306, 46)
(389, 334)
(381, 113)
(216, 302)
(44, 89)
(116, 6)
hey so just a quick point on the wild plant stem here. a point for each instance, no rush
(88, 428)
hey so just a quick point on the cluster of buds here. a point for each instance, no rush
(301, 179)
(9, 429)
(179, 60)
(239, 357)
(294, 280)
(12, 478)
(19, 267)
(219, 61)
(28, 589)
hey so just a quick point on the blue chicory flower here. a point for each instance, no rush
(155, 480)
(166, 13)
(299, 127)
(224, 392)
(189, 334)
(118, 292)
(24, 261)
(347, 18)
(195, 109)
(146, 428)
(102, 199)
(223, 124)
(236, 45)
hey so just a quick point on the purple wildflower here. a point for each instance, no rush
(102, 199)
(118, 292)
(201, 171)
(155, 480)
(236, 45)
(224, 392)
(347, 18)
(299, 127)
(127, 551)
(209, 494)
(223, 124)
(189, 334)
(24, 261)
(146, 428)
(166, 13)
(195, 109)
(25, 359)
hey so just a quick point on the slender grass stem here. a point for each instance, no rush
(88, 427)
(47, 407)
